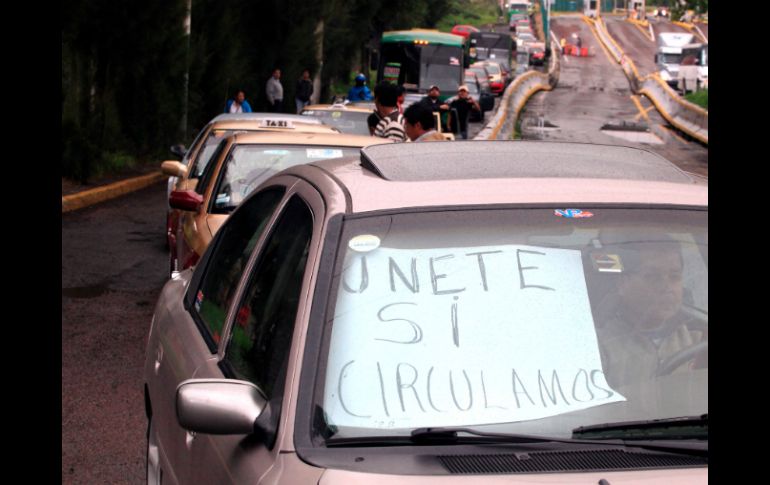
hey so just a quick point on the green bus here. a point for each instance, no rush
(419, 59)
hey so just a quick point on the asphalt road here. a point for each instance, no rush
(593, 96)
(113, 267)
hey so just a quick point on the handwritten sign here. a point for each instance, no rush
(462, 336)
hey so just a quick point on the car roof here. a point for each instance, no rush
(295, 123)
(505, 172)
(256, 116)
(337, 107)
(302, 138)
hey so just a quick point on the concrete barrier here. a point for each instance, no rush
(502, 125)
(680, 113)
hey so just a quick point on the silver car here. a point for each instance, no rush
(468, 312)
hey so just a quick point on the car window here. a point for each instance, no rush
(352, 122)
(207, 175)
(234, 245)
(247, 166)
(258, 349)
(533, 321)
(210, 145)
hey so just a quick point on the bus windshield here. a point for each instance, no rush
(419, 66)
(441, 65)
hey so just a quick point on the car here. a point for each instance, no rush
(464, 30)
(467, 312)
(536, 55)
(183, 174)
(238, 165)
(495, 74)
(346, 118)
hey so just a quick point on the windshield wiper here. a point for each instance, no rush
(687, 427)
(451, 436)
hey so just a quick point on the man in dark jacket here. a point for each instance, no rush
(303, 91)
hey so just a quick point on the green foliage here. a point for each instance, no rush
(124, 64)
(476, 13)
(701, 98)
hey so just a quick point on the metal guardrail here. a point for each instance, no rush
(684, 115)
(516, 95)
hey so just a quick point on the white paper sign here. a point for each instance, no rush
(461, 336)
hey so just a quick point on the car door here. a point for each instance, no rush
(190, 319)
(259, 345)
(190, 223)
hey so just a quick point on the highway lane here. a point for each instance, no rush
(592, 95)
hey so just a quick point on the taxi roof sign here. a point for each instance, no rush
(276, 123)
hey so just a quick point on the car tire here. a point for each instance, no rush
(152, 456)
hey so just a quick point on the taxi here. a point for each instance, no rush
(184, 174)
(345, 117)
(501, 312)
(238, 165)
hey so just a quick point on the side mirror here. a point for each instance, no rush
(178, 150)
(173, 168)
(219, 406)
(185, 200)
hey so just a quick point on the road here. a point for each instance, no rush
(593, 98)
(637, 42)
(113, 267)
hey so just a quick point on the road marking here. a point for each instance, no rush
(642, 110)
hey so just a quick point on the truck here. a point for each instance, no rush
(669, 54)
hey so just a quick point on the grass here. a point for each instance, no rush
(470, 12)
(701, 98)
(114, 162)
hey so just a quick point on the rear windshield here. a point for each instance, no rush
(247, 166)
(352, 122)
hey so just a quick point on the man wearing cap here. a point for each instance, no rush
(461, 106)
(432, 100)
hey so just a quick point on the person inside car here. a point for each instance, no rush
(644, 324)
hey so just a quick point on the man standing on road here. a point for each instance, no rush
(303, 91)
(274, 91)
(391, 124)
(432, 100)
(461, 107)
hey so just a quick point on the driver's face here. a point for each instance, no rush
(652, 293)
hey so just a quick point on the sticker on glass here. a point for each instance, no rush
(198, 300)
(572, 213)
(336, 114)
(364, 243)
(323, 153)
(276, 152)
